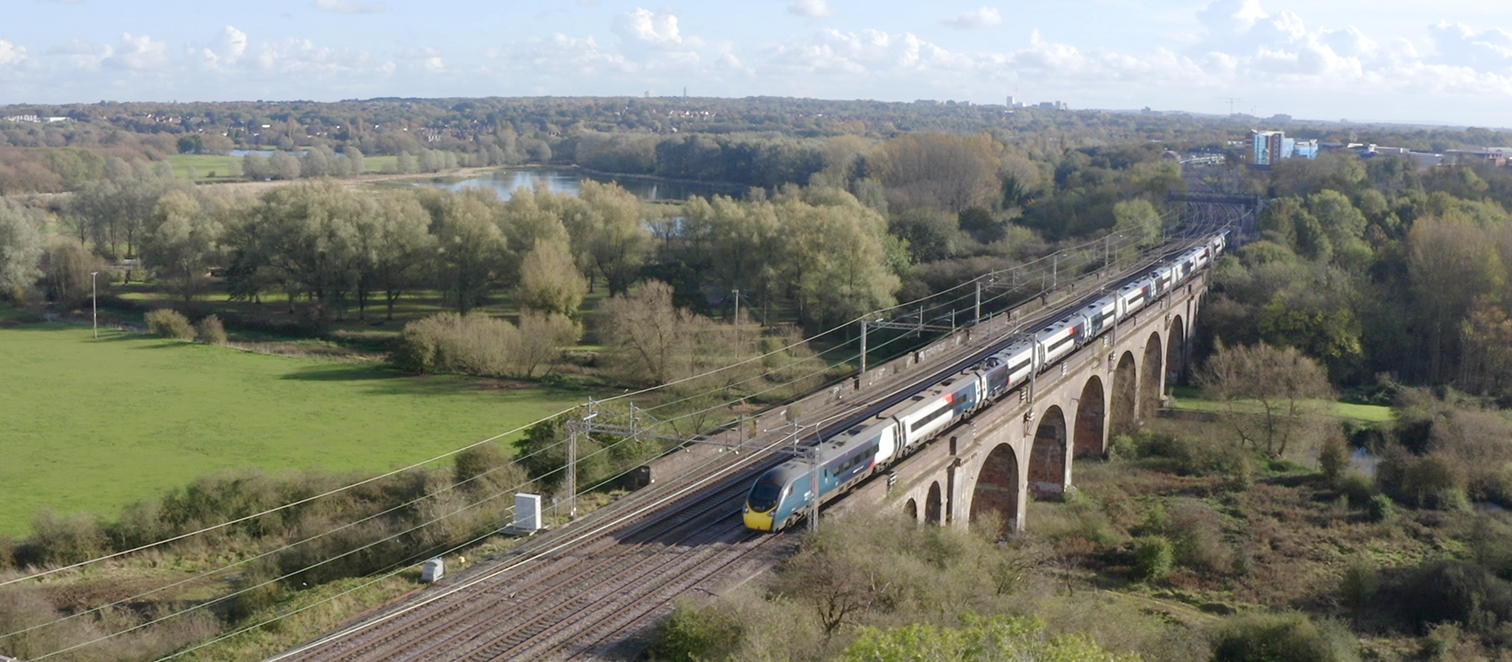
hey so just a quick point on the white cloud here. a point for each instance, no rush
(643, 28)
(350, 6)
(11, 53)
(225, 50)
(1459, 45)
(305, 56)
(138, 52)
(428, 57)
(1231, 16)
(985, 17)
(810, 8)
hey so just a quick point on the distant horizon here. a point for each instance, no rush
(1401, 60)
(1424, 124)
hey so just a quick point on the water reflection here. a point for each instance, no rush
(569, 180)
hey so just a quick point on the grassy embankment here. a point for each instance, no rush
(94, 425)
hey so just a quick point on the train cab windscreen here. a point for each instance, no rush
(764, 496)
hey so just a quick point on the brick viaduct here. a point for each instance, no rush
(1026, 443)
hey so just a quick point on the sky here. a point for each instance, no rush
(1362, 60)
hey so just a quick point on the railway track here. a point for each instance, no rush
(580, 592)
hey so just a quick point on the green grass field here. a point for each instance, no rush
(1191, 398)
(94, 425)
(221, 165)
(203, 165)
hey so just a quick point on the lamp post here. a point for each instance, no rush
(94, 303)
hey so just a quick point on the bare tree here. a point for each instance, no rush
(1273, 395)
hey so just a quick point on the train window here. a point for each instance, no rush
(942, 411)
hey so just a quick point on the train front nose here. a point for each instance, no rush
(758, 520)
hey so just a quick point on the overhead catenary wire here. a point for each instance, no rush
(442, 456)
(444, 516)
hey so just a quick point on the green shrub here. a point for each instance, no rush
(447, 342)
(1360, 583)
(485, 468)
(169, 324)
(1357, 487)
(211, 331)
(1456, 592)
(1123, 448)
(1152, 558)
(66, 539)
(1196, 535)
(695, 633)
(1382, 508)
(1281, 638)
(1429, 481)
(1333, 458)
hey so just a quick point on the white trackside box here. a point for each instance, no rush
(527, 513)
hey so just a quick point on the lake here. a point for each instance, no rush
(569, 180)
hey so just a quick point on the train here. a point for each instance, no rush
(786, 493)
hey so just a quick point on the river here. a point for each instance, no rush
(569, 180)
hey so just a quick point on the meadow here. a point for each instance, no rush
(218, 167)
(91, 426)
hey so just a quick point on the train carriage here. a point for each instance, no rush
(785, 492)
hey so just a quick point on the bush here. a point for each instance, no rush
(698, 633)
(448, 342)
(1429, 481)
(69, 539)
(169, 324)
(1456, 592)
(1152, 558)
(1196, 535)
(1360, 584)
(1382, 508)
(1281, 638)
(477, 344)
(486, 468)
(1357, 487)
(211, 331)
(1333, 458)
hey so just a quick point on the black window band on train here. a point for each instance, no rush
(1057, 344)
(1019, 366)
(942, 411)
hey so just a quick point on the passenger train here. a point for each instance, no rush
(784, 493)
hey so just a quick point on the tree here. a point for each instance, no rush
(308, 234)
(645, 335)
(1137, 220)
(1450, 262)
(283, 165)
(839, 256)
(610, 232)
(118, 207)
(1289, 389)
(549, 281)
(1486, 337)
(470, 249)
(20, 248)
(182, 244)
(65, 274)
(395, 245)
(542, 337)
(938, 171)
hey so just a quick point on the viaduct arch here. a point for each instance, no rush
(984, 471)
(1090, 436)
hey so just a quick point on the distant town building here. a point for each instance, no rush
(1269, 147)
